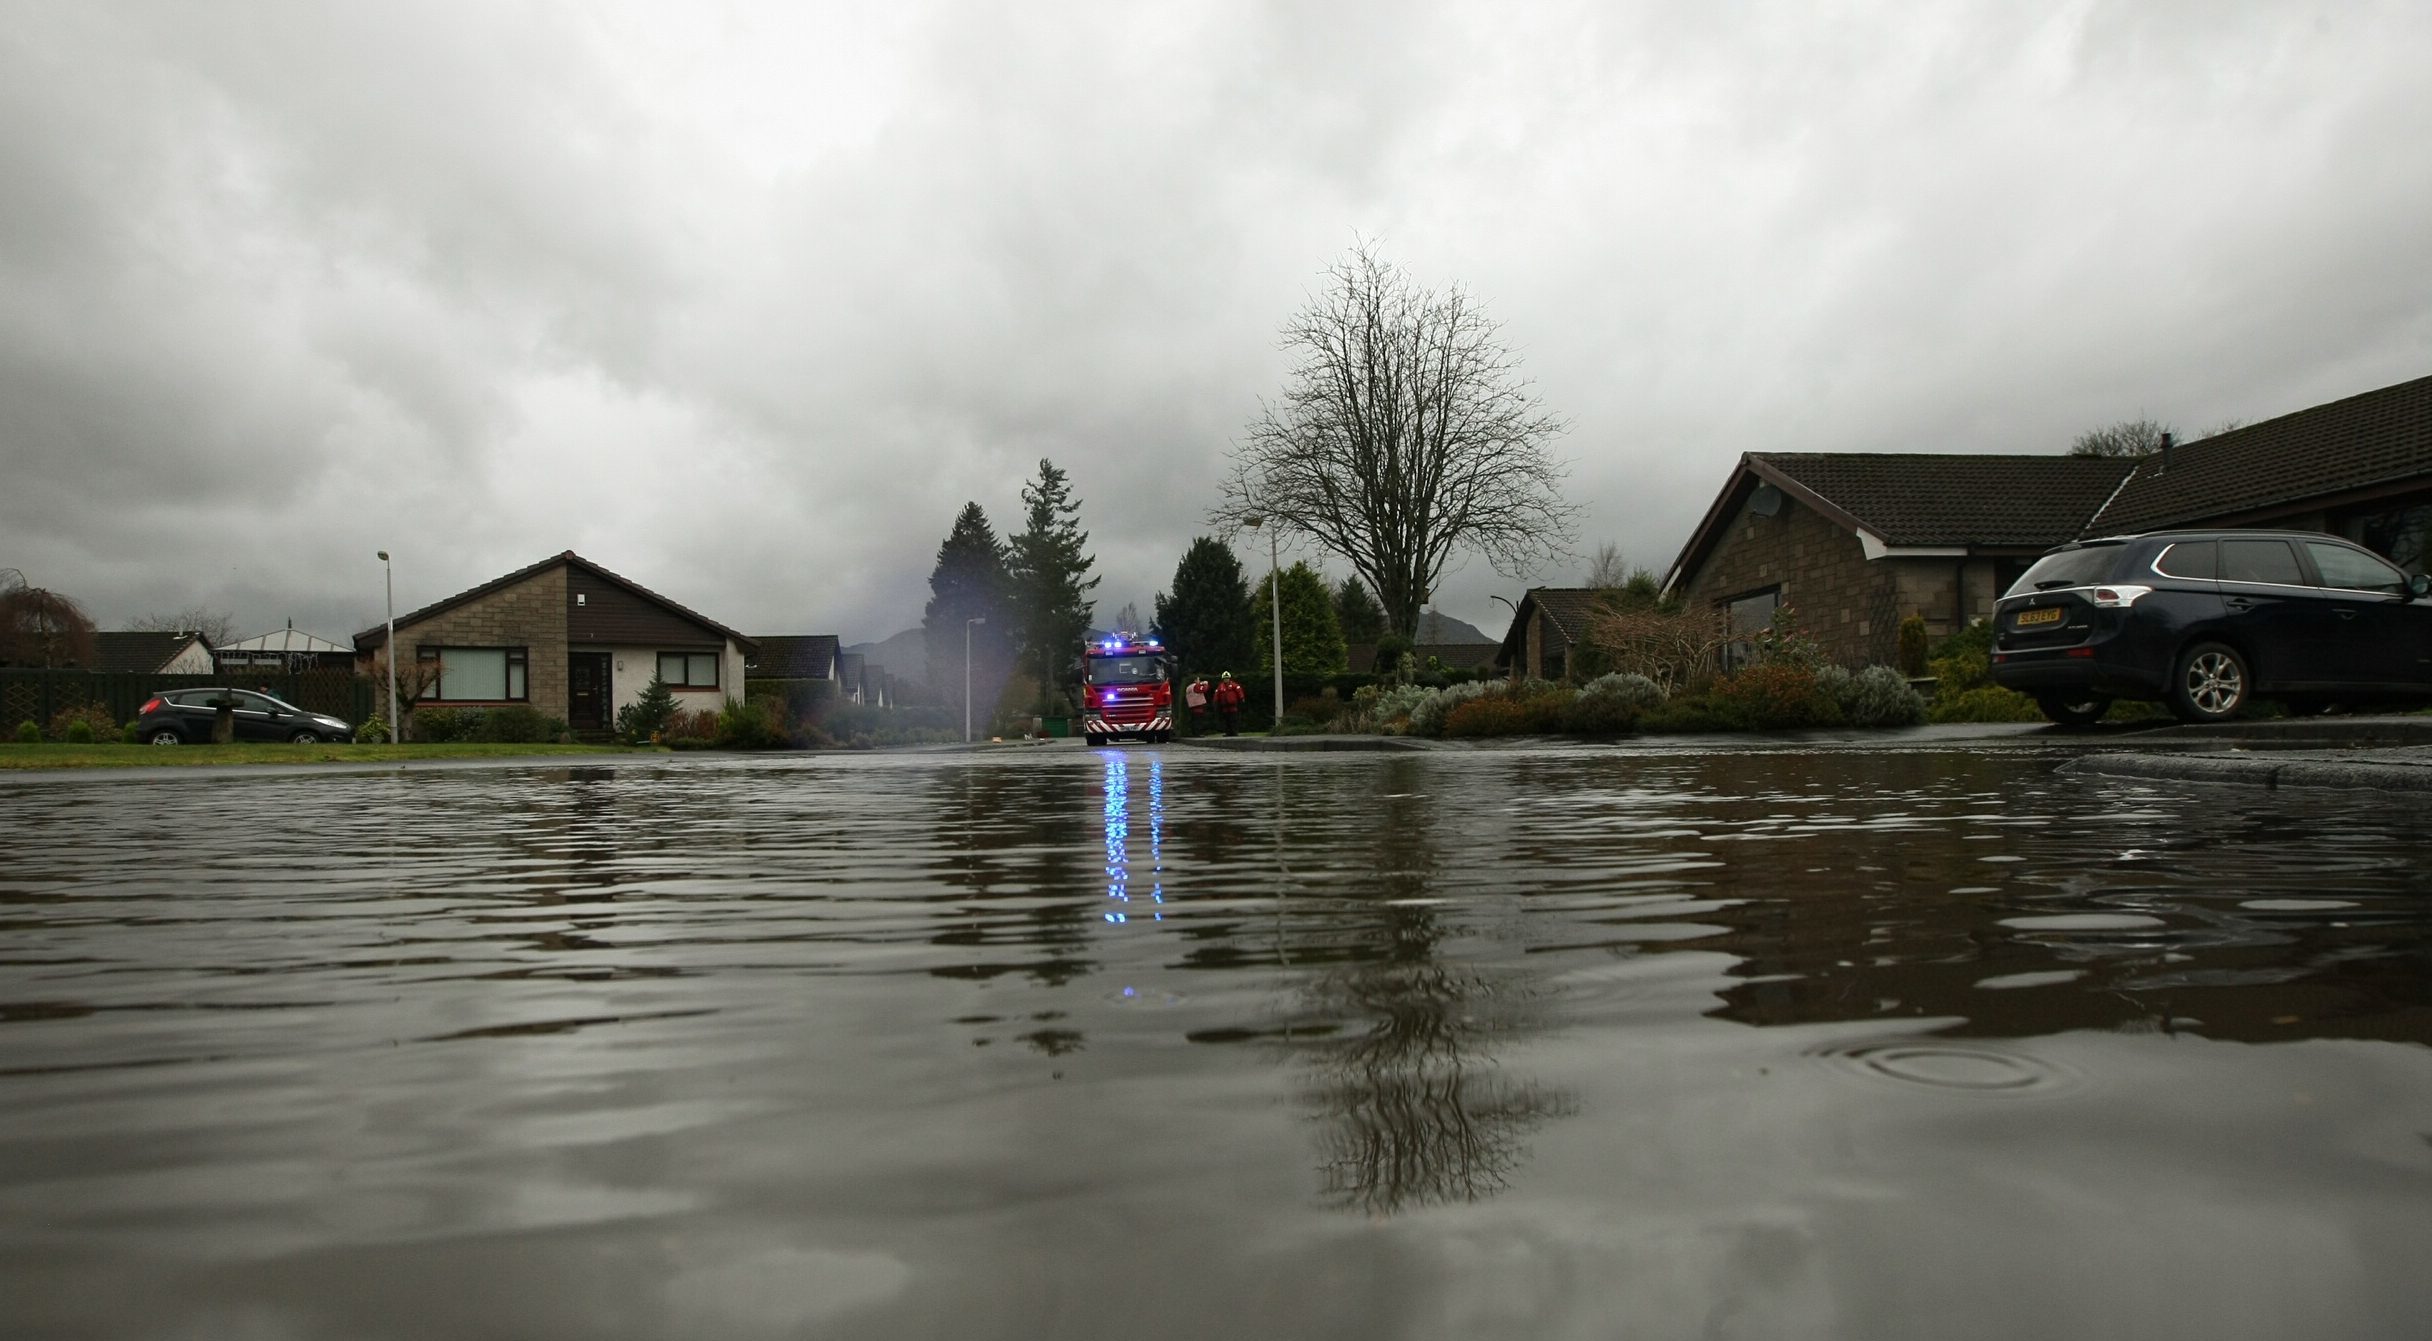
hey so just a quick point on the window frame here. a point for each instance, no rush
(717, 670)
(517, 659)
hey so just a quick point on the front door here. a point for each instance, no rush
(587, 691)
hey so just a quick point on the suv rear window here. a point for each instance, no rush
(2190, 559)
(2070, 568)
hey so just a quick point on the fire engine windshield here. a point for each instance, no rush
(1126, 670)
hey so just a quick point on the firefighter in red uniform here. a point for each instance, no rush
(1229, 698)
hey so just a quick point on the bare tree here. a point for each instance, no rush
(1404, 435)
(218, 627)
(1675, 648)
(2129, 437)
(1607, 568)
(39, 627)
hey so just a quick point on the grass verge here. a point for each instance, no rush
(271, 752)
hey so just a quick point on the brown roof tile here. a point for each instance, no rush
(1943, 499)
(2348, 446)
(793, 656)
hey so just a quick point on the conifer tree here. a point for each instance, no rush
(1362, 620)
(1313, 643)
(1049, 569)
(969, 581)
(1206, 622)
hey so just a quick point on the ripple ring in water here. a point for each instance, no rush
(1971, 1067)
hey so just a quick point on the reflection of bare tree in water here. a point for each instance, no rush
(1415, 1109)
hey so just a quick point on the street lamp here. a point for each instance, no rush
(388, 579)
(975, 619)
(1275, 588)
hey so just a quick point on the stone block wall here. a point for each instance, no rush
(531, 615)
(1850, 606)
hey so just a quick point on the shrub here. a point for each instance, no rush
(374, 731)
(689, 724)
(1428, 715)
(752, 724)
(1783, 642)
(1777, 697)
(1964, 660)
(513, 725)
(1984, 703)
(1488, 715)
(1912, 645)
(130, 735)
(440, 726)
(1877, 696)
(96, 720)
(1610, 705)
(641, 721)
(28, 733)
(1674, 646)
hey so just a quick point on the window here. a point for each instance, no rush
(2080, 567)
(2269, 561)
(2400, 534)
(2354, 570)
(476, 674)
(2190, 559)
(1747, 617)
(689, 670)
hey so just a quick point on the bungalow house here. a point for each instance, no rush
(849, 677)
(1856, 541)
(565, 637)
(1546, 626)
(152, 653)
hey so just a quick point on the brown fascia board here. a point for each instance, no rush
(377, 634)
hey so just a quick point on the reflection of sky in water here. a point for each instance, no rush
(1118, 824)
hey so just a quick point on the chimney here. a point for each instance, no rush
(2165, 455)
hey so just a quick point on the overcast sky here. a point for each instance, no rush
(744, 302)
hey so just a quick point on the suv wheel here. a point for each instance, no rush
(2210, 685)
(166, 736)
(2068, 711)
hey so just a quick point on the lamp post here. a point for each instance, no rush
(1275, 589)
(388, 579)
(975, 619)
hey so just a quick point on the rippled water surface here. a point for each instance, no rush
(1174, 1044)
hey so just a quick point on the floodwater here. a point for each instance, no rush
(1171, 1043)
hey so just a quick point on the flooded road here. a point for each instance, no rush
(1569, 1042)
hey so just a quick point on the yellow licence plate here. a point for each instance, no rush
(2050, 614)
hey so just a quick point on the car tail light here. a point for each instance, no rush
(2117, 598)
(151, 705)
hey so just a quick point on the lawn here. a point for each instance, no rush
(18, 756)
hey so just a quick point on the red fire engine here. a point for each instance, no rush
(1127, 689)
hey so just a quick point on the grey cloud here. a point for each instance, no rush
(746, 303)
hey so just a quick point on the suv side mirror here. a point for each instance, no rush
(2419, 586)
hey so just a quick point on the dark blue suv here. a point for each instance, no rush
(2203, 621)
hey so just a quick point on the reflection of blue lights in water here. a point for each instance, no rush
(1118, 825)
(1118, 838)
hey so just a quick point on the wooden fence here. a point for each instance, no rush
(34, 695)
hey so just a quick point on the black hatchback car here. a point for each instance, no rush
(2205, 621)
(180, 716)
